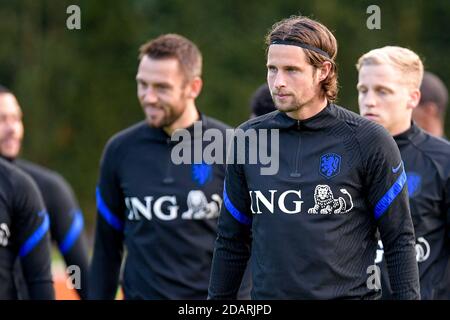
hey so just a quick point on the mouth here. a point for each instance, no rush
(10, 144)
(282, 95)
(153, 111)
(371, 116)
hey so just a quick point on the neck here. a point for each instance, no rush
(9, 159)
(400, 128)
(309, 109)
(187, 118)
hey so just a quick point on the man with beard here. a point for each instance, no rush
(164, 215)
(66, 219)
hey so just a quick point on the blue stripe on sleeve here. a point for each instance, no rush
(112, 220)
(390, 196)
(242, 218)
(73, 234)
(36, 237)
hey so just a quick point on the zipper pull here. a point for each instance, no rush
(168, 179)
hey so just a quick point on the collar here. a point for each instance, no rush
(413, 134)
(319, 121)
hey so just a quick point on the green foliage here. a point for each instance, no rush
(77, 87)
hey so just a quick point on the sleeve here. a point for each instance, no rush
(232, 247)
(108, 246)
(388, 197)
(66, 228)
(33, 238)
(447, 202)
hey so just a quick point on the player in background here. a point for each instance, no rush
(261, 102)
(164, 214)
(24, 225)
(66, 219)
(431, 110)
(388, 91)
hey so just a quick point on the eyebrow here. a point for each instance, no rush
(284, 67)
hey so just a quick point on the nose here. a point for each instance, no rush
(368, 99)
(149, 96)
(279, 80)
(9, 124)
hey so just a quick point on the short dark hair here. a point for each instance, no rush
(4, 90)
(313, 33)
(175, 46)
(262, 102)
(433, 89)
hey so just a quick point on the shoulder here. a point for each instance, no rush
(119, 143)
(437, 150)
(262, 122)
(44, 177)
(14, 179)
(438, 147)
(367, 132)
(213, 123)
(124, 136)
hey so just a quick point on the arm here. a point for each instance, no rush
(447, 204)
(388, 196)
(67, 226)
(32, 228)
(108, 246)
(232, 248)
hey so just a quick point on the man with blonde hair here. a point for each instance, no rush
(310, 228)
(388, 91)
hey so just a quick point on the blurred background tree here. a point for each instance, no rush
(77, 87)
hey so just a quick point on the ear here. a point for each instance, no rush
(195, 87)
(414, 98)
(324, 71)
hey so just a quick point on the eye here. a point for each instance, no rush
(362, 90)
(291, 70)
(141, 84)
(271, 69)
(162, 87)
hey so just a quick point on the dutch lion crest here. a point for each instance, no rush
(325, 203)
(199, 207)
(330, 165)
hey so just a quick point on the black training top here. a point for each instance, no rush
(314, 223)
(23, 234)
(164, 214)
(427, 164)
(66, 219)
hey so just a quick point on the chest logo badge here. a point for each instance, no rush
(201, 173)
(330, 165)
